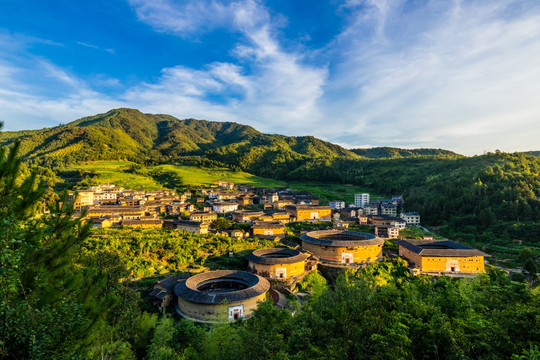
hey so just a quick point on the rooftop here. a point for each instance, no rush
(443, 248)
(341, 238)
(274, 256)
(216, 287)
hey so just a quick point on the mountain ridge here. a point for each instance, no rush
(130, 134)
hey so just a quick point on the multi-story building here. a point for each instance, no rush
(387, 231)
(188, 226)
(244, 216)
(84, 198)
(386, 220)
(143, 224)
(272, 197)
(361, 200)
(337, 204)
(411, 218)
(224, 184)
(224, 207)
(370, 209)
(205, 217)
(388, 209)
(268, 229)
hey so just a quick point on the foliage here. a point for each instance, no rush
(413, 232)
(222, 224)
(57, 302)
(313, 283)
(157, 251)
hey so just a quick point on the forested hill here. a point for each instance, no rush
(396, 153)
(130, 134)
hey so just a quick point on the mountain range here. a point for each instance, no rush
(130, 134)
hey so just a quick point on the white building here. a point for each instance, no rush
(337, 205)
(84, 198)
(411, 218)
(272, 198)
(370, 210)
(361, 200)
(389, 209)
(224, 207)
(100, 198)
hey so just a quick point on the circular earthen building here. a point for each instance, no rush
(346, 247)
(280, 263)
(220, 296)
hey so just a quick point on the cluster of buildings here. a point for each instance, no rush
(229, 294)
(381, 214)
(226, 295)
(266, 210)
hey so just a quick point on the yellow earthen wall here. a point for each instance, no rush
(472, 264)
(275, 231)
(199, 230)
(281, 216)
(305, 214)
(217, 312)
(264, 270)
(360, 254)
(145, 226)
(411, 256)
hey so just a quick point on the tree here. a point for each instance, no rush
(160, 348)
(221, 224)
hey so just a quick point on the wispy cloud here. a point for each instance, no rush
(466, 79)
(36, 93)
(268, 87)
(95, 47)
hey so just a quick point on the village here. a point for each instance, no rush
(240, 211)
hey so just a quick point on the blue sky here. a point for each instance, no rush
(459, 75)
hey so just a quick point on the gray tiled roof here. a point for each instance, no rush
(442, 248)
(274, 256)
(187, 289)
(341, 238)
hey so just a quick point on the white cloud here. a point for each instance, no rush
(277, 93)
(468, 79)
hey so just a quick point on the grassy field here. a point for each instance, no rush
(192, 175)
(116, 172)
(121, 174)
